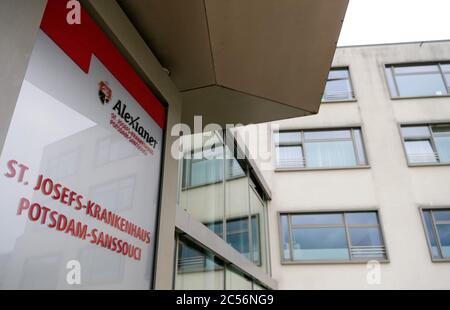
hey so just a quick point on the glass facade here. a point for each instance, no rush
(427, 144)
(331, 237)
(418, 80)
(338, 86)
(219, 191)
(197, 268)
(320, 148)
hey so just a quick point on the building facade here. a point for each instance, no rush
(366, 179)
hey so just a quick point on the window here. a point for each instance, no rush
(338, 86)
(238, 236)
(419, 80)
(349, 236)
(427, 144)
(437, 227)
(320, 149)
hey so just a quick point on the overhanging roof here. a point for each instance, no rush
(242, 61)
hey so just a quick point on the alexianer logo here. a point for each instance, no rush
(104, 92)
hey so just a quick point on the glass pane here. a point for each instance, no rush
(338, 90)
(415, 131)
(198, 268)
(441, 129)
(320, 244)
(416, 69)
(444, 236)
(257, 287)
(391, 82)
(318, 219)
(290, 157)
(445, 67)
(338, 74)
(443, 148)
(443, 215)
(420, 152)
(363, 236)
(285, 237)
(361, 218)
(447, 79)
(258, 216)
(203, 176)
(330, 154)
(238, 212)
(235, 280)
(288, 137)
(329, 134)
(430, 234)
(421, 85)
(359, 147)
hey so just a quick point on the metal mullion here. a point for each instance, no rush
(249, 216)
(394, 78)
(347, 234)
(433, 143)
(355, 150)
(438, 239)
(443, 78)
(317, 225)
(417, 138)
(305, 163)
(330, 140)
(291, 252)
(363, 225)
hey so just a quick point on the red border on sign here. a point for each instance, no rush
(81, 41)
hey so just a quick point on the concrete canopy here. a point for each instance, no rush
(242, 61)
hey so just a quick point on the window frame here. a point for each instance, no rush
(422, 209)
(352, 88)
(301, 143)
(389, 66)
(291, 213)
(431, 138)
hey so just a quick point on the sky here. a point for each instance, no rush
(391, 21)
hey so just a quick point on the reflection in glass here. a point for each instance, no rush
(330, 154)
(259, 233)
(430, 234)
(361, 218)
(198, 268)
(319, 244)
(443, 148)
(420, 151)
(443, 231)
(315, 219)
(202, 193)
(285, 237)
(236, 280)
(416, 81)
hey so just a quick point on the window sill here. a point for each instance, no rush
(339, 101)
(429, 165)
(320, 169)
(440, 260)
(420, 97)
(335, 262)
